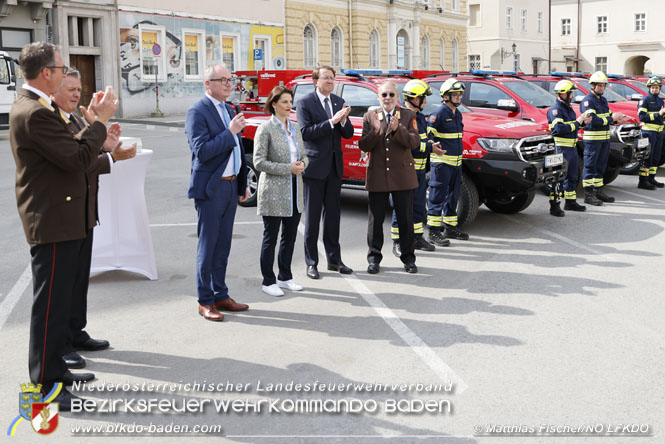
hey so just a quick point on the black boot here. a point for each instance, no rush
(555, 209)
(645, 183)
(592, 199)
(654, 182)
(452, 232)
(397, 251)
(602, 196)
(436, 237)
(572, 205)
(422, 244)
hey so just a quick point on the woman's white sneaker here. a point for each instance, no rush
(290, 284)
(272, 290)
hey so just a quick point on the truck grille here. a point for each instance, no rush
(534, 148)
(628, 132)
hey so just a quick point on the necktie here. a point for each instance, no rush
(236, 148)
(75, 122)
(327, 107)
(388, 118)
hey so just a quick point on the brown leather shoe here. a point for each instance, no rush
(230, 305)
(210, 313)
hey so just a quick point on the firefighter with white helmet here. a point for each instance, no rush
(564, 125)
(415, 97)
(651, 110)
(597, 139)
(446, 128)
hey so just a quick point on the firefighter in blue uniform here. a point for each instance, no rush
(597, 139)
(446, 128)
(415, 97)
(564, 125)
(651, 110)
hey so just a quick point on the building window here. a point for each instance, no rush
(403, 54)
(442, 54)
(309, 43)
(601, 24)
(455, 56)
(640, 21)
(374, 56)
(194, 54)
(230, 51)
(336, 47)
(474, 15)
(565, 26)
(12, 40)
(523, 19)
(153, 62)
(424, 52)
(601, 64)
(474, 61)
(539, 20)
(454, 5)
(509, 18)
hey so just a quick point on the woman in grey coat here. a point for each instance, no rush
(279, 154)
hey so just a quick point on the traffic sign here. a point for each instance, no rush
(156, 49)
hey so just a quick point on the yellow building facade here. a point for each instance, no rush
(385, 34)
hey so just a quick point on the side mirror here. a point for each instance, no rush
(636, 97)
(507, 105)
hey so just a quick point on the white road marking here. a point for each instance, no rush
(8, 304)
(431, 359)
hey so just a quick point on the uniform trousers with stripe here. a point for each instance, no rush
(656, 142)
(54, 273)
(419, 207)
(596, 153)
(444, 188)
(569, 184)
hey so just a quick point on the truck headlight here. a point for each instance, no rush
(497, 145)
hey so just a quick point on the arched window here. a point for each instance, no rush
(309, 47)
(403, 50)
(374, 50)
(455, 56)
(442, 54)
(336, 47)
(424, 52)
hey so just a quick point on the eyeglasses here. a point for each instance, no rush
(326, 78)
(388, 94)
(64, 68)
(223, 80)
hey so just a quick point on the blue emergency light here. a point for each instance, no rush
(377, 72)
(494, 73)
(617, 76)
(568, 74)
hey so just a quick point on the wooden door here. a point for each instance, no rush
(85, 64)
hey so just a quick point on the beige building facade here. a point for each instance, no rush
(614, 36)
(508, 35)
(376, 34)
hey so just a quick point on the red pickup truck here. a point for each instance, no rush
(504, 159)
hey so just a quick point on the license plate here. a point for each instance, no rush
(553, 160)
(642, 143)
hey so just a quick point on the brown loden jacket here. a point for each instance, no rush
(51, 169)
(391, 166)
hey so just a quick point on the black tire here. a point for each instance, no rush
(631, 168)
(469, 201)
(510, 204)
(610, 175)
(252, 182)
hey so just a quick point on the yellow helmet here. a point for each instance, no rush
(416, 88)
(654, 81)
(598, 77)
(564, 86)
(450, 86)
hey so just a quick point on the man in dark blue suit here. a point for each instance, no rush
(217, 183)
(323, 120)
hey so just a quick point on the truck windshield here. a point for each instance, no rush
(5, 75)
(434, 101)
(610, 95)
(530, 93)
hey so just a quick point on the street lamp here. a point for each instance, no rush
(505, 54)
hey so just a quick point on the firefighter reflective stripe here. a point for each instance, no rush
(434, 221)
(652, 114)
(586, 183)
(445, 135)
(423, 142)
(605, 116)
(570, 195)
(418, 228)
(596, 135)
(555, 121)
(420, 163)
(444, 158)
(644, 171)
(652, 170)
(450, 220)
(394, 233)
(598, 182)
(652, 127)
(564, 141)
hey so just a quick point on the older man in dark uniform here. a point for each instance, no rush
(389, 135)
(50, 194)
